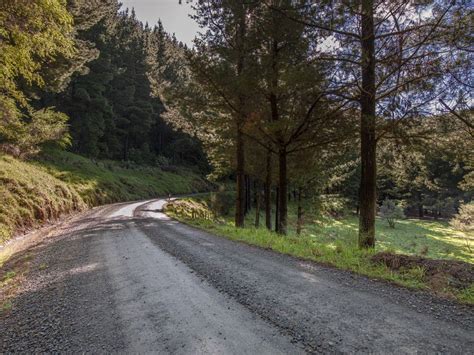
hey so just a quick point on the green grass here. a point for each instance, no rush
(9, 275)
(6, 306)
(432, 239)
(334, 242)
(59, 182)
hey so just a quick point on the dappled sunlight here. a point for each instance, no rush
(434, 239)
(50, 278)
(310, 277)
(82, 269)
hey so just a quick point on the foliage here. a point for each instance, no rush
(114, 106)
(32, 34)
(427, 173)
(464, 219)
(190, 209)
(390, 211)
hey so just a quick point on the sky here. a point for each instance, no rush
(174, 17)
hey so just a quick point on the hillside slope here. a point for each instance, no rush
(57, 183)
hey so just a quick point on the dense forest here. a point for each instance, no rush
(91, 87)
(369, 106)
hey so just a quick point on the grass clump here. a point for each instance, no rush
(6, 306)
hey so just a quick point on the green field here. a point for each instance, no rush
(58, 182)
(334, 242)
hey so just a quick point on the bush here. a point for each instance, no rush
(332, 206)
(464, 220)
(189, 209)
(24, 135)
(391, 212)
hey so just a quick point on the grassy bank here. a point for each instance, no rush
(333, 242)
(57, 183)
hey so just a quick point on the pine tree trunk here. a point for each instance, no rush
(299, 224)
(420, 206)
(268, 193)
(277, 209)
(125, 148)
(246, 199)
(367, 133)
(248, 203)
(240, 200)
(240, 152)
(257, 204)
(283, 192)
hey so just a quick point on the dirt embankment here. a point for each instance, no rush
(438, 273)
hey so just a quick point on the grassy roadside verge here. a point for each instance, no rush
(335, 251)
(58, 183)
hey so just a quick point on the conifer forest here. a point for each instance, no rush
(339, 133)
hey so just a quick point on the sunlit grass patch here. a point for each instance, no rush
(467, 295)
(8, 277)
(6, 306)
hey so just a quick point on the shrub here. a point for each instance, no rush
(391, 212)
(333, 206)
(464, 219)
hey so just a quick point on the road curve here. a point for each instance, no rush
(126, 278)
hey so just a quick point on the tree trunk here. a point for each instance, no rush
(299, 224)
(268, 193)
(277, 209)
(246, 200)
(125, 148)
(240, 200)
(367, 130)
(283, 192)
(420, 206)
(257, 204)
(240, 119)
(249, 194)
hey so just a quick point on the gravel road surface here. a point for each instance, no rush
(126, 278)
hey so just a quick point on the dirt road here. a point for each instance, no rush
(127, 278)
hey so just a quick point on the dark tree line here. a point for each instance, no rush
(113, 110)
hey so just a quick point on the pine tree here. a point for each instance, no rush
(298, 114)
(387, 60)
